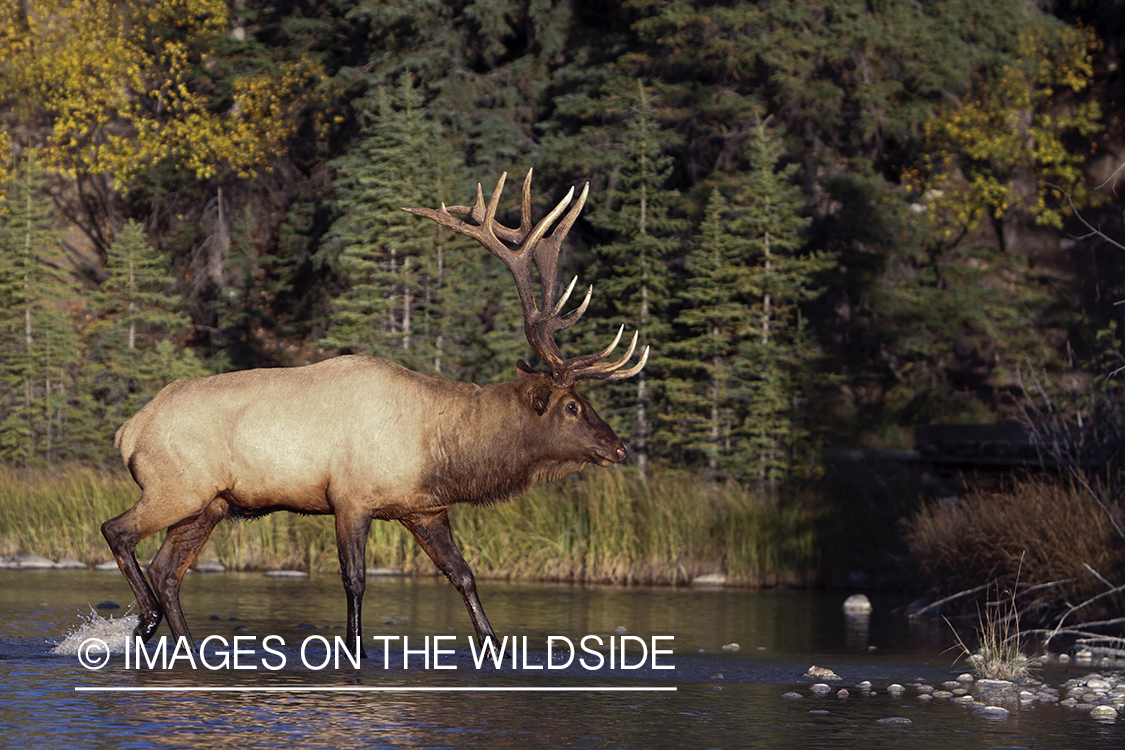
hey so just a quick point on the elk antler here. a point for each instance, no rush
(539, 323)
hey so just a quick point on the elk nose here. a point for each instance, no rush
(621, 453)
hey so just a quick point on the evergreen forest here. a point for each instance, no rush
(831, 220)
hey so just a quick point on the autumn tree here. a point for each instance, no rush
(1012, 146)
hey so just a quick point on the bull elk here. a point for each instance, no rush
(363, 438)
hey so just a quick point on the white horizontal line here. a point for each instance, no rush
(361, 689)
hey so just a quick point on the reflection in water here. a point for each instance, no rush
(857, 629)
(722, 699)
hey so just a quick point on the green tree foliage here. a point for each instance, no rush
(412, 287)
(638, 213)
(748, 358)
(129, 347)
(38, 344)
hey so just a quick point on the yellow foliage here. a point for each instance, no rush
(1011, 128)
(128, 84)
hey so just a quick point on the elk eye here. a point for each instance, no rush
(572, 408)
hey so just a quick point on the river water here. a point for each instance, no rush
(281, 696)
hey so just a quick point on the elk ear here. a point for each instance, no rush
(538, 396)
(523, 369)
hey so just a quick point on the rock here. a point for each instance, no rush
(894, 720)
(26, 561)
(992, 712)
(731, 647)
(821, 689)
(385, 572)
(69, 563)
(286, 574)
(210, 566)
(1103, 712)
(621, 630)
(710, 579)
(822, 673)
(107, 565)
(842, 693)
(857, 604)
(895, 689)
(107, 604)
(865, 685)
(792, 696)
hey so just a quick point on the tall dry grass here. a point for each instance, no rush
(1055, 526)
(602, 526)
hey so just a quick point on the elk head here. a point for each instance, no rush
(553, 396)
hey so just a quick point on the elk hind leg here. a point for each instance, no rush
(434, 535)
(180, 548)
(122, 534)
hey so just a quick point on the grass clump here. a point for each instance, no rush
(1000, 651)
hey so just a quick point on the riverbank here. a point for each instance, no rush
(604, 526)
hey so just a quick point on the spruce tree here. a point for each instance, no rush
(707, 398)
(38, 343)
(130, 351)
(394, 265)
(633, 267)
(776, 353)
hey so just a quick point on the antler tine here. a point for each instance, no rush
(588, 366)
(622, 374)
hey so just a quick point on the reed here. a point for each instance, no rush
(607, 526)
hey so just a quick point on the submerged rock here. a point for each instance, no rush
(286, 574)
(26, 561)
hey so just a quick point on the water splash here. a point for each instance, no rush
(115, 632)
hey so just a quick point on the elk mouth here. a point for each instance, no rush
(615, 456)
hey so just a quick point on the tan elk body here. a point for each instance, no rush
(362, 438)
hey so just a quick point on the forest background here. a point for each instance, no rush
(832, 220)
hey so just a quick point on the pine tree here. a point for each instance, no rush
(706, 397)
(775, 350)
(395, 265)
(38, 343)
(130, 354)
(633, 267)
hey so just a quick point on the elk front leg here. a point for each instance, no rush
(351, 539)
(436, 537)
